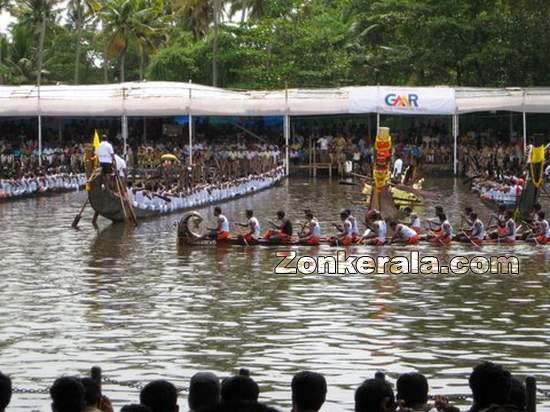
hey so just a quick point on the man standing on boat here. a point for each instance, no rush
(106, 156)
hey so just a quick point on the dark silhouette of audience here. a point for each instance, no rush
(493, 390)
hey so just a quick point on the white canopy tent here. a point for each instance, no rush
(156, 99)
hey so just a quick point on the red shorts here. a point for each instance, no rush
(375, 242)
(478, 242)
(446, 240)
(313, 240)
(346, 240)
(222, 235)
(249, 237)
(543, 240)
(413, 240)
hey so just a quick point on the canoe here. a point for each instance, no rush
(189, 233)
(108, 205)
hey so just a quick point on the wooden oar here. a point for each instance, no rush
(79, 215)
(471, 241)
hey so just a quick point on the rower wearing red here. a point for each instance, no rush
(253, 226)
(312, 235)
(282, 231)
(375, 234)
(345, 237)
(446, 233)
(476, 233)
(221, 231)
(403, 234)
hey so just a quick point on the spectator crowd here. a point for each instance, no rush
(493, 389)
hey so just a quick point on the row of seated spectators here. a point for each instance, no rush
(493, 390)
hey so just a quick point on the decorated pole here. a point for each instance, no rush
(455, 145)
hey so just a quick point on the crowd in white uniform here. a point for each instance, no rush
(165, 201)
(501, 193)
(27, 186)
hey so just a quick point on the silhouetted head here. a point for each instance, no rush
(374, 395)
(204, 391)
(309, 390)
(490, 384)
(473, 216)
(541, 215)
(438, 210)
(412, 388)
(442, 217)
(217, 211)
(393, 224)
(240, 388)
(159, 396)
(280, 214)
(508, 214)
(67, 395)
(249, 213)
(135, 408)
(5, 391)
(92, 392)
(407, 211)
(518, 395)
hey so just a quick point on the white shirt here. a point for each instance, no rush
(120, 165)
(105, 152)
(397, 166)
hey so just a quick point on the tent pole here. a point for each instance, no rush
(455, 147)
(286, 127)
(524, 127)
(190, 129)
(39, 128)
(377, 123)
(524, 132)
(124, 121)
(39, 140)
(124, 134)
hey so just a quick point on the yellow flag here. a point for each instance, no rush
(95, 142)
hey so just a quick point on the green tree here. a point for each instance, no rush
(199, 16)
(80, 12)
(37, 14)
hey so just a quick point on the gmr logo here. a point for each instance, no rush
(402, 101)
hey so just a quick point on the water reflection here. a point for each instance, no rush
(134, 303)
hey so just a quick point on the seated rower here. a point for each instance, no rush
(403, 234)
(435, 225)
(253, 225)
(283, 231)
(446, 234)
(414, 220)
(541, 231)
(476, 233)
(500, 223)
(354, 225)
(377, 235)
(221, 232)
(312, 234)
(509, 233)
(345, 237)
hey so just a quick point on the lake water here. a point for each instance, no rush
(132, 302)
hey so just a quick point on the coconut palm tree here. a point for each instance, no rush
(253, 9)
(199, 16)
(36, 13)
(80, 11)
(126, 21)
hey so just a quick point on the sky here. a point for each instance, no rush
(5, 20)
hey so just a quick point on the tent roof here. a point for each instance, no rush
(176, 99)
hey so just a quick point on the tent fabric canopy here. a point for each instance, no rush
(176, 99)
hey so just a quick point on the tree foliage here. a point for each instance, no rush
(265, 44)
